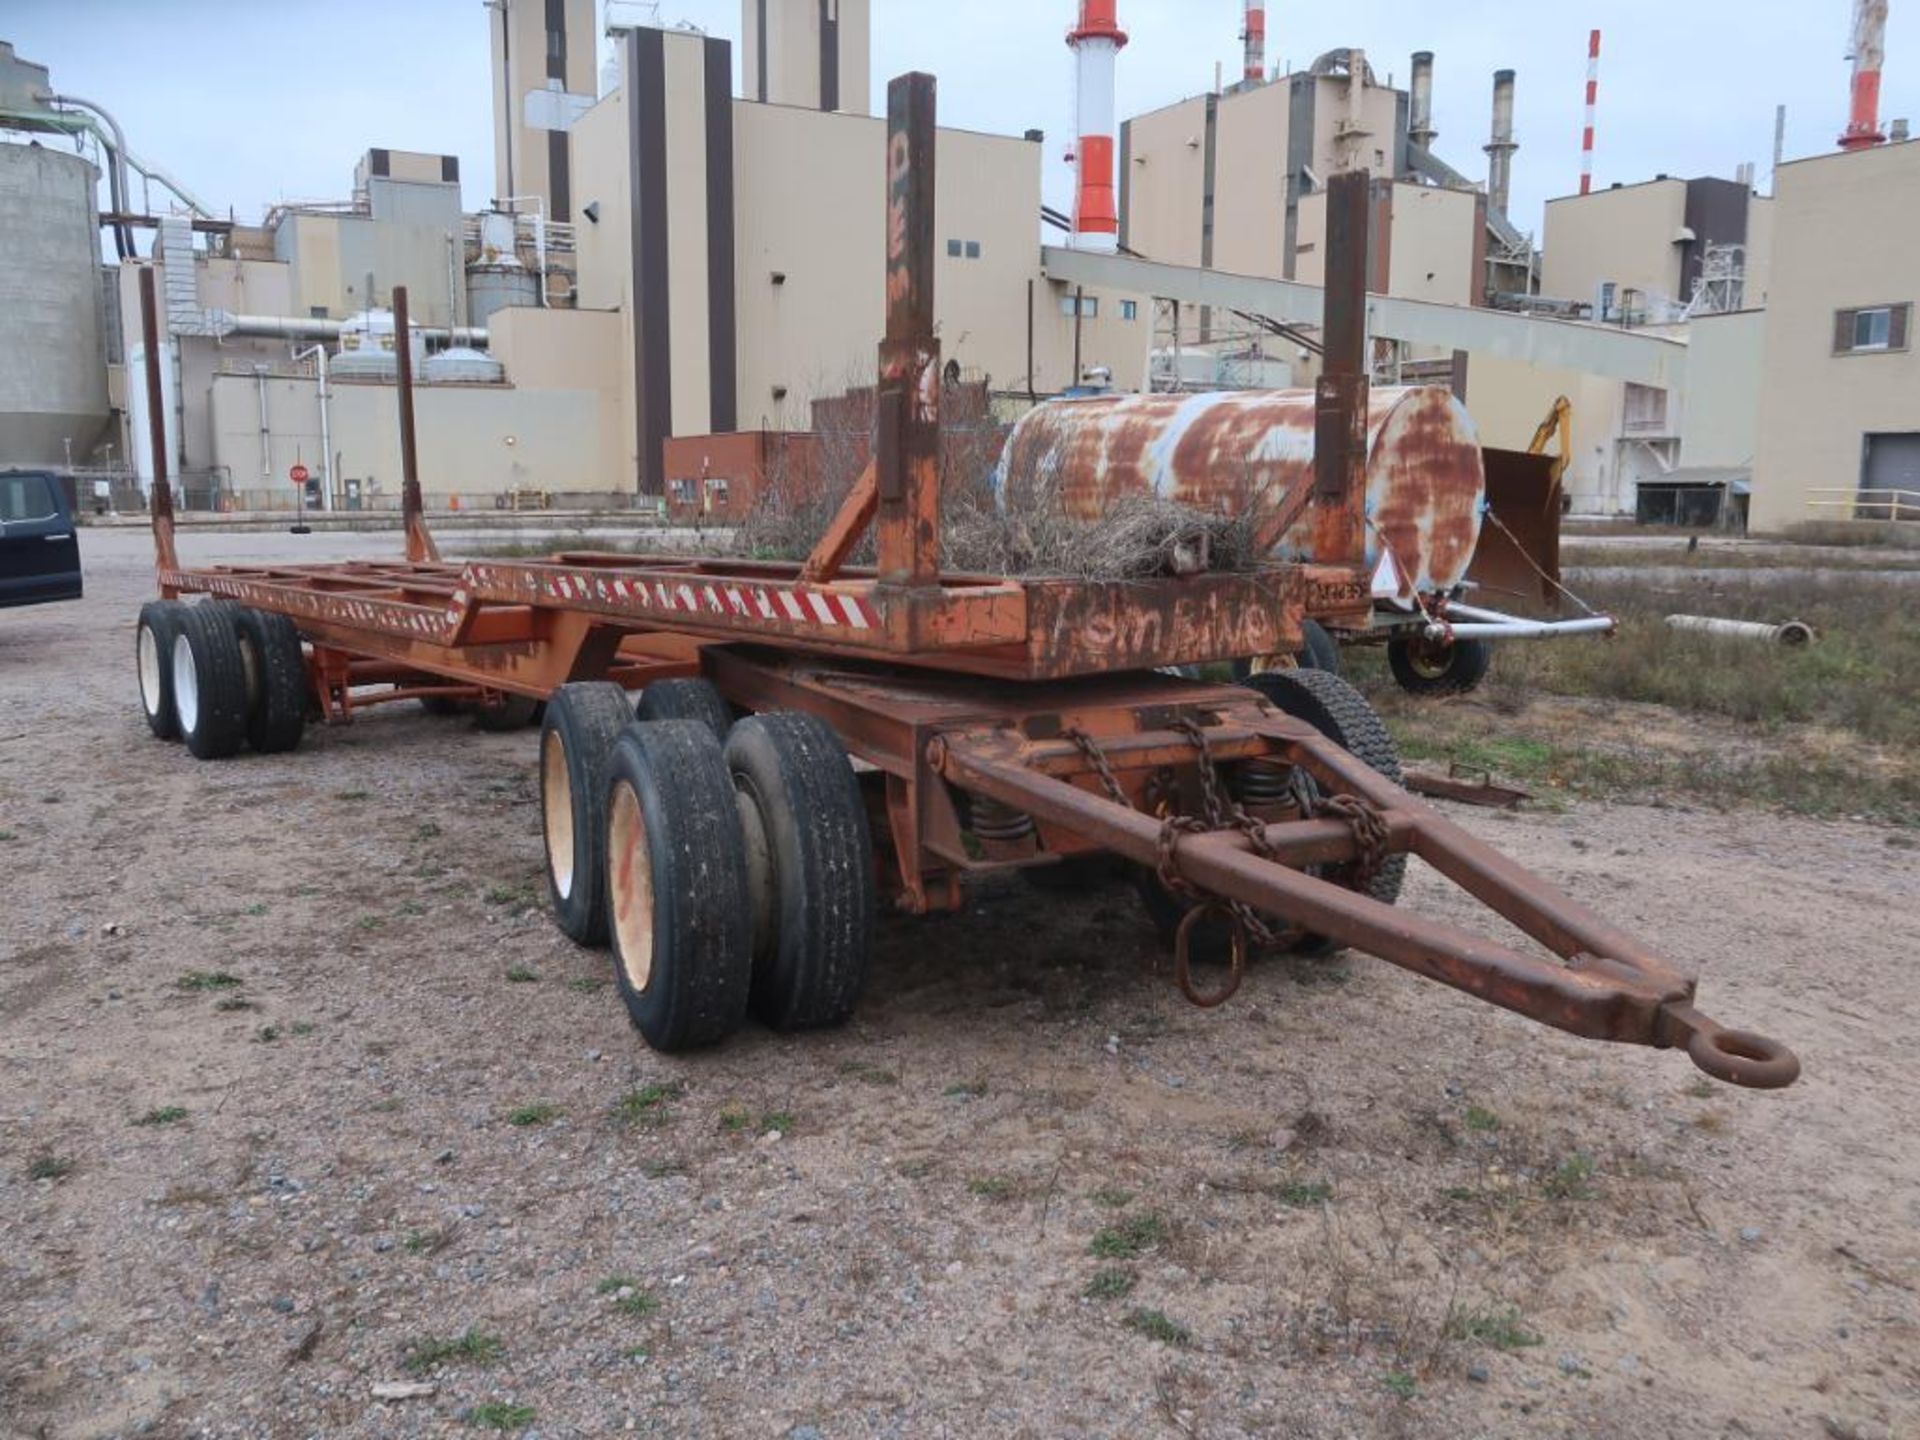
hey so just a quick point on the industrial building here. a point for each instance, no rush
(680, 249)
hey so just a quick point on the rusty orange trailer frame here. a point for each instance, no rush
(1037, 696)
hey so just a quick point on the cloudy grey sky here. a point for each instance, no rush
(248, 104)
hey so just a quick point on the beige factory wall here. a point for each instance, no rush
(331, 256)
(1625, 235)
(1724, 368)
(474, 441)
(315, 241)
(245, 287)
(601, 175)
(1166, 182)
(1310, 240)
(1508, 399)
(524, 68)
(574, 350)
(684, 57)
(1759, 250)
(1379, 109)
(793, 53)
(811, 207)
(1250, 181)
(1816, 408)
(1433, 244)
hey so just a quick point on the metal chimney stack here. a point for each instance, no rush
(1096, 42)
(1501, 147)
(1869, 54)
(1420, 101)
(1255, 36)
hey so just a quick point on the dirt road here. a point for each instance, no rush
(1028, 1192)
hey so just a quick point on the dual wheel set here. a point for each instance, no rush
(727, 863)
(218, 676)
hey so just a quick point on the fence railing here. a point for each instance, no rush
(1880, 505)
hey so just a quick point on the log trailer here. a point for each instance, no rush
(716, 835)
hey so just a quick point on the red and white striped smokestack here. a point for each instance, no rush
(1096, 43)
(1593, 95)
(1255, 35)
(1869, 54)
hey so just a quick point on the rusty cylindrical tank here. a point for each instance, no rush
(1231, 452)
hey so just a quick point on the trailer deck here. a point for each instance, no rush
(993, 722)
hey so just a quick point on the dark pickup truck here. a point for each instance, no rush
(39, 551)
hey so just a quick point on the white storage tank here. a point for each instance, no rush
(53, 372)
(497, 280)
(366, 348)
(462, 366)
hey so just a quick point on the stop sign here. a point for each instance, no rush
(298, 474)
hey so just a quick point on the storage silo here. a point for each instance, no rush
(53, 373)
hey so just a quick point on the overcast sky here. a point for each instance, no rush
(253, 103)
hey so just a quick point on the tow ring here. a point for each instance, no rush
(1237, 955)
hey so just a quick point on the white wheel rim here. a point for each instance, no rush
(186, 685)
(630, 883)
(148, 651)
(556, 792)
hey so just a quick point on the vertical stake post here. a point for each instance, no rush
(1340, 401)
(420, 546)
(160, 498)
(907, 402)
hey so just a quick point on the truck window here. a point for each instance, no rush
(26, 497)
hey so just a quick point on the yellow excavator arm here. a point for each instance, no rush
(1559, 423)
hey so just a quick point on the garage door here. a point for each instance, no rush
(1893, 464)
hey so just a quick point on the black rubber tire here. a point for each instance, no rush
(1448, 668)
(158, 624)
(1338, 711)
(441, 705)
(208, 639)
(813, 945)
(516, 712)
(277, 708)
(1342, 714)
(685, 700)
(577, 736)
(1318, 651)
(681, 927)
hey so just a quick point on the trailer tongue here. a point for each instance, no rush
(997, 722)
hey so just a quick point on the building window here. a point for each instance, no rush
(1646, 407)
(681, 490)
(973, 249)
(1871, 331)
(1129, 309)
(1087, 307)
(953, 249)
(963, 249)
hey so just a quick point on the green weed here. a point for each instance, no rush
(499, 1415)
(197, 980)
(631, 1297)
(538, 1113)
(472, 1348)
(1130, 1238)
(1109, 1283)
(164, 1115)
(49, 1167)
(1156, 1326)
(1498, 1326)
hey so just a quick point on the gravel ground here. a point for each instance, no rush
(1028, 1192)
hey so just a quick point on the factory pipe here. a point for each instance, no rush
(1869, 54)
(319, 356)
(1501, 147)
(1792, 634)
(1255, 36)
(117, 185)
(1420, 106)
(1096, 42)
(1593, 95)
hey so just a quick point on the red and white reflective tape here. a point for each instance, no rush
(742, 600)
(1593, 95)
